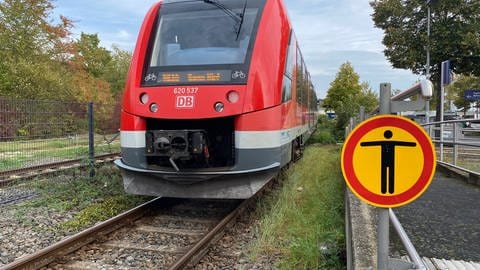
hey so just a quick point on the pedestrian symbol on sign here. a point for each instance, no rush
(388, 160)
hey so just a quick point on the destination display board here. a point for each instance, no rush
(192, 77)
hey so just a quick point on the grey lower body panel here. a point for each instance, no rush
(235, 186)
(253, 169)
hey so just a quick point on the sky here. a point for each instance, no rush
(330, 33)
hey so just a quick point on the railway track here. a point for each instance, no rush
(7, 177)
(161, 234)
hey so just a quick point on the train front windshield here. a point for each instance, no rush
(210, 40)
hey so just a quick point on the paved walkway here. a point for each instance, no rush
(445, 221)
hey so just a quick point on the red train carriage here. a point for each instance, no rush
(217, 100)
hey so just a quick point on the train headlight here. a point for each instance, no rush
(219, 106)
(144, 98)
(233, 96)
(154, 107)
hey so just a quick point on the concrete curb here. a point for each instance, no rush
(361, 233)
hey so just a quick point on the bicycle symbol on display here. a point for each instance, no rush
(151, 77)
(238, 75)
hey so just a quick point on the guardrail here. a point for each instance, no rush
(462, 140)
(411, 250)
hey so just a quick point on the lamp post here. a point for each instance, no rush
(428, 39)
(427, 73)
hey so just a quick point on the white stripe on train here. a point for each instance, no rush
(243, 139)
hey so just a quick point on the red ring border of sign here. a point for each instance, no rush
(422, 182)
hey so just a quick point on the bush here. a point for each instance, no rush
(325, 137)
(325, 133)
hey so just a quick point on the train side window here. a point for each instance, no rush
(290, 64)
(286, 89)
(299, 79)
(288, 74)
(299, 57)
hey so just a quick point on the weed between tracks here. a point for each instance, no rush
(83, 200)
(304, 220)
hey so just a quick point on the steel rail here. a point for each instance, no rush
(49, 254)
(195, 254)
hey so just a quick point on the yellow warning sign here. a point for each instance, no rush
(388, 161)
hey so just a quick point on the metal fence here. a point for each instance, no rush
(35, 133)
(457, 144)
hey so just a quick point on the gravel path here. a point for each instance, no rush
(445, 221)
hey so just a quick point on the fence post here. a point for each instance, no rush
(456, 134)
(91, 140)
(362, 114)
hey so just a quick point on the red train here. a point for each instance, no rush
(217, 100)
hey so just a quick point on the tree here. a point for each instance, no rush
(32, 48)
(456, 91)
(90, 56)
(368, 98)
(117, 69)
(454, 35)
(341, 96)
(26, 30)
(346, 95)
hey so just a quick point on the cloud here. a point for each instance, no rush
(329, 33)
(124, 35)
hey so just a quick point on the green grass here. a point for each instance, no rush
(20, 154)
(90, 199)
(470, 164)
(100, 211)
(304, 220)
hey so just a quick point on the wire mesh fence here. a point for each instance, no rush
(35, 133)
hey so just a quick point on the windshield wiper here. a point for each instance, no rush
(242, 18)
(238, 18)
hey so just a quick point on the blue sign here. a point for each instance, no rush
(446, 72)
(472, 94)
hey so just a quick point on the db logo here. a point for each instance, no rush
(185, 102)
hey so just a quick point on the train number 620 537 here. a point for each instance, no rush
(185, 90)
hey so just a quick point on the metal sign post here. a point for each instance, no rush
(383, 226)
